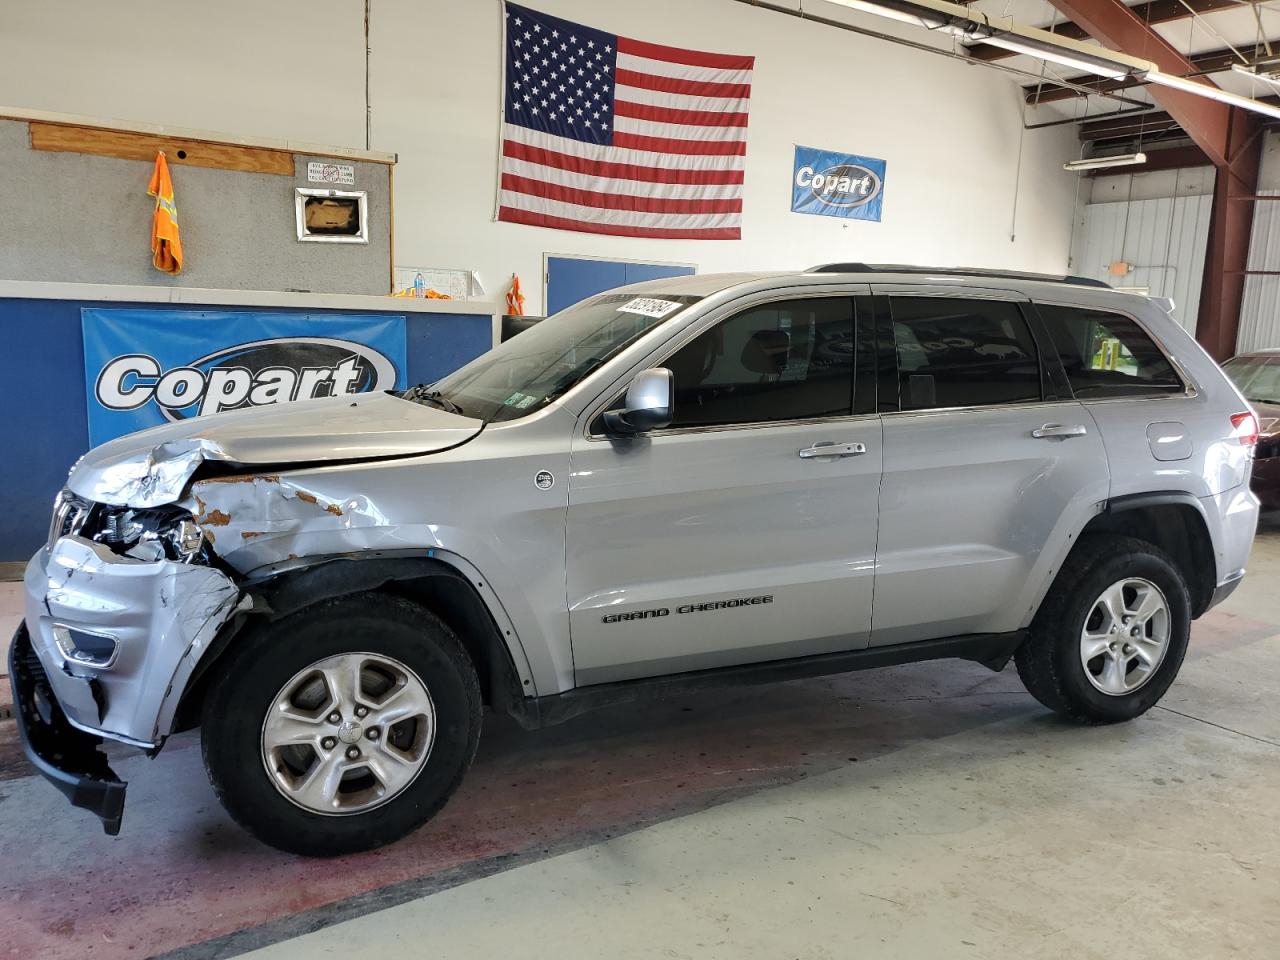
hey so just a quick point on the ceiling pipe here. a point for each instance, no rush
(1203, 64)
(976, 27)
(1152, 13)
(1254, 72)
(951, 18)
(800, 13)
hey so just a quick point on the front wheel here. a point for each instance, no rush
(342, 727)
(1111, 635)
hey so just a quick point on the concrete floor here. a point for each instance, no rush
(925, 811)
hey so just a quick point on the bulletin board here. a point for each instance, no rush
(76, 210)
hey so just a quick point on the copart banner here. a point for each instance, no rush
(147, 367)
(837, 184)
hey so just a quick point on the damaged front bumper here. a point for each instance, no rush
(113, 641)
(66, 757)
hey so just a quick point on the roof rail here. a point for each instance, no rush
(956, 272)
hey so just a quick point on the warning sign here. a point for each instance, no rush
(341, 174)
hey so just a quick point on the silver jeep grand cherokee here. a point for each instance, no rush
(696, 481)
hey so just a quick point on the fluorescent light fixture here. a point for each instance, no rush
(942, 16)
(1072, 59)
(889, 13)
(1213, 93)
(1101, 163)
(1253, 74)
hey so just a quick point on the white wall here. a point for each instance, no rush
(247, 67)
(1164, 237)
(1156, 185)
(948, 130)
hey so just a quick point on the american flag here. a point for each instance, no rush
(605, 134)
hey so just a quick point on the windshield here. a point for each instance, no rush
(531, 369)
(1258, 378)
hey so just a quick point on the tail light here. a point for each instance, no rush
(1244, 427)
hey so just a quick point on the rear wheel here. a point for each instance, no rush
(342, 727)
(1111, 635)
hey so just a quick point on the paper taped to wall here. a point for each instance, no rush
(341, 173)
(455, 283)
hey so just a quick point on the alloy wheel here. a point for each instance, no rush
(1125, 636)
(348, 733)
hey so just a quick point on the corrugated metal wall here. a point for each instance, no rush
(1164, 238)
(1260, 311)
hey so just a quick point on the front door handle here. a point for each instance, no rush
(1059, 431)
(829, 448)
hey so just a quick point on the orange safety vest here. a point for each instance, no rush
(515, 299)
(166, 243)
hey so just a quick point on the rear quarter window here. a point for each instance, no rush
(1108, 355)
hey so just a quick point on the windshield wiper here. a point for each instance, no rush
(423, 393)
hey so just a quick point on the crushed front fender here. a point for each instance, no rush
(153, 621)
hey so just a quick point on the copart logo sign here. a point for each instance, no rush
(251, 375)
(147, 370)
(837, 184)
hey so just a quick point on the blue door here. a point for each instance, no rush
(570, 279)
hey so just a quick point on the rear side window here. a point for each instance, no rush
(1108, 355)
(963, 352)
(788, 360)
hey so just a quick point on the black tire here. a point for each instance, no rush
(263, 661)
(1049, 662)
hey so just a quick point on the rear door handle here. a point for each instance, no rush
(1061, 431)
(829, 448)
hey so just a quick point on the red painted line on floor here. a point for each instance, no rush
(182, 873)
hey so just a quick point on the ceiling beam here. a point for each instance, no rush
(1230, 138)
(1154, 12)
(1206, 121)
(1215, 61)
(1122, 128)
(1226, 257)
(1139, 124)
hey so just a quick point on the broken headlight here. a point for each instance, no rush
(151, 534)
(69, 515)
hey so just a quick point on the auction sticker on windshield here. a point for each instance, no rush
(650, 306)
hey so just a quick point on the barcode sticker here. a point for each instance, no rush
(650, 307)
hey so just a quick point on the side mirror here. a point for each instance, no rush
(648, 405)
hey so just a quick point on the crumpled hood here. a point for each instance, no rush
(152, 467)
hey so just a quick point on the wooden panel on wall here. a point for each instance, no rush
(143, 146)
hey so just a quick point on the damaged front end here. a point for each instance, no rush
(133, 588)
(107, 647)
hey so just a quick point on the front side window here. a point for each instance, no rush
(963, 352)
(531, 369)
(790, 360)
(1108, 355)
